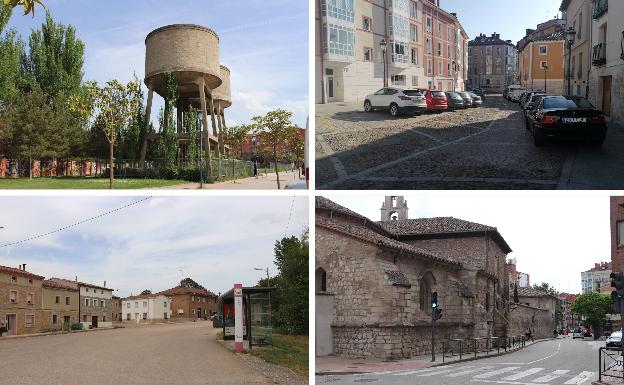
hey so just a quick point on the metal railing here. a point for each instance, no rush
(474, 346)
(610, 363)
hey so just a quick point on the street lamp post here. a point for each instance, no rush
(384, 46)
(545, 70)
(201, 149)
(267, 271)
(570, 34)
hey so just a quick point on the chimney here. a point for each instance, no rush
(76, 279)
(104, 283)
(529, 31)
(24, 267)
(454, 14)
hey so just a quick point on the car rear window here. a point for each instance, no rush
(438, 94)
(412, 93)
(565, 102)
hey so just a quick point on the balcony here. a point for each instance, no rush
(600, 8)
(599, 55)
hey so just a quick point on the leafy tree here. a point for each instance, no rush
(11, 50)
(29, 5)
(291, 299)
(131, 134)
(275, 130)
(191, 123)
(593, 306)
(146, 292)
(55, 59)
(189, 283)
(116, 103)
(546, 288)
(168, 141)
(234, 137)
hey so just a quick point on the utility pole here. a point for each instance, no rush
(436, 314)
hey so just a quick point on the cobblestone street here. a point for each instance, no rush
(480, 148)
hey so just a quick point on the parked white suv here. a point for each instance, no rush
(396, 100)
(514, 96)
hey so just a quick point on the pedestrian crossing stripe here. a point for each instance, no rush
(485, 374)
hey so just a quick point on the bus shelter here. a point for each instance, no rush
(257, 328)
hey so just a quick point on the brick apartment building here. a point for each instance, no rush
(60, 305)
(94, 305)
(190, 303)
(426, 47)
(597, 278)
(541, 56)
(20, 300)
(491, 63)
(516, 278)
(617, 234)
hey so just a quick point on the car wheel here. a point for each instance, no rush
(538, 136)
(394, 110)
(368, 107)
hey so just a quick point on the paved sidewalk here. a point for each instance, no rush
(263, 182)
(341, 365)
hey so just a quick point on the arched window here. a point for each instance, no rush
(321, 280)
(487, 301)
(424, 289)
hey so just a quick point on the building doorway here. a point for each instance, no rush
(11, 324)
(199, 312)
(94, 321)
(606, 95)
(329, 88)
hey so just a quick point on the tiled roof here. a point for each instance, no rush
(324, 203)
(439, 225)
(77, 284)
(369, 235)
(559, 35)
(531, 292)
(187, 290)
(144, 296)
(23, 273)
(55, 284)
(397, 278)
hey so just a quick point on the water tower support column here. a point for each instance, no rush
(148, 114)
(216, 134)
(206, 132)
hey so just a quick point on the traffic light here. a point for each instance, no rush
(437, 313)
(434, 299)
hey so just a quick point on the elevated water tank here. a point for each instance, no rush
(222, 94)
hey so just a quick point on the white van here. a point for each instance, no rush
(509, 89)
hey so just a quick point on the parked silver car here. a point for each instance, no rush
(467, 98)
(476, 99)
(396, 100)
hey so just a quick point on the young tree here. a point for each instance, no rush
(146, 292)
(275, 130)
(234, 137)
(544, 286)
(593, 306)
(29, 5)
(115, 103)
(191, 124)
(11, 50)
(168, 141)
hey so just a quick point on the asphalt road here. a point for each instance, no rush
(480, 148)
(554, 362)
(161, 354)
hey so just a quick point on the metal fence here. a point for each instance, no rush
(610, 363)
(474, 346)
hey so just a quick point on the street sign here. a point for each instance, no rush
(238, 317)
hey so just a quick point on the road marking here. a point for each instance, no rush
(414, 371)
(341, 172)
(544, 182)
(547, 357)
(416, 130)
(464, 372)
(581, 378)
(440, 372)
(496, 372)
(523, 374)
(548, 377)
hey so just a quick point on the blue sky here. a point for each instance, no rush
(509, 18)
(217, 241)
(263, 42)
(553, 238)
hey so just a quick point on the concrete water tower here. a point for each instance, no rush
(222, 96)
(191, 54)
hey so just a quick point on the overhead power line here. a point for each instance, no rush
(75, 224)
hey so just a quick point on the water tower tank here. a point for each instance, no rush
(222, 94)
(189, 52)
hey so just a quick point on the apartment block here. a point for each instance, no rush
(20, 300)
(425, 47)
(606, 90)
(617, 233)
(191, 303)
(577, 15)
(491, 63)
(541, 56)
(597, 278)
(60, 306)
(146, 308)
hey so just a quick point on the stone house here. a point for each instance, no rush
(116, 309)
(60, 306)
(536, 310)
(374, 282)
(146, 308)
(94, 305)
(20, 300)
(191, 303)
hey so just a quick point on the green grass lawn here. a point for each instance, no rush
(83, 183)
(289, 351)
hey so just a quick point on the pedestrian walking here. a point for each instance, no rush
(255, 169)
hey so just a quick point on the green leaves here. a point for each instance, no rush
(592, 305)
(28, 5)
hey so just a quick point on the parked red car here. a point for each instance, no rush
(436, 100)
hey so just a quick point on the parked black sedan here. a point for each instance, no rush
(566, 116)
(454, 100)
